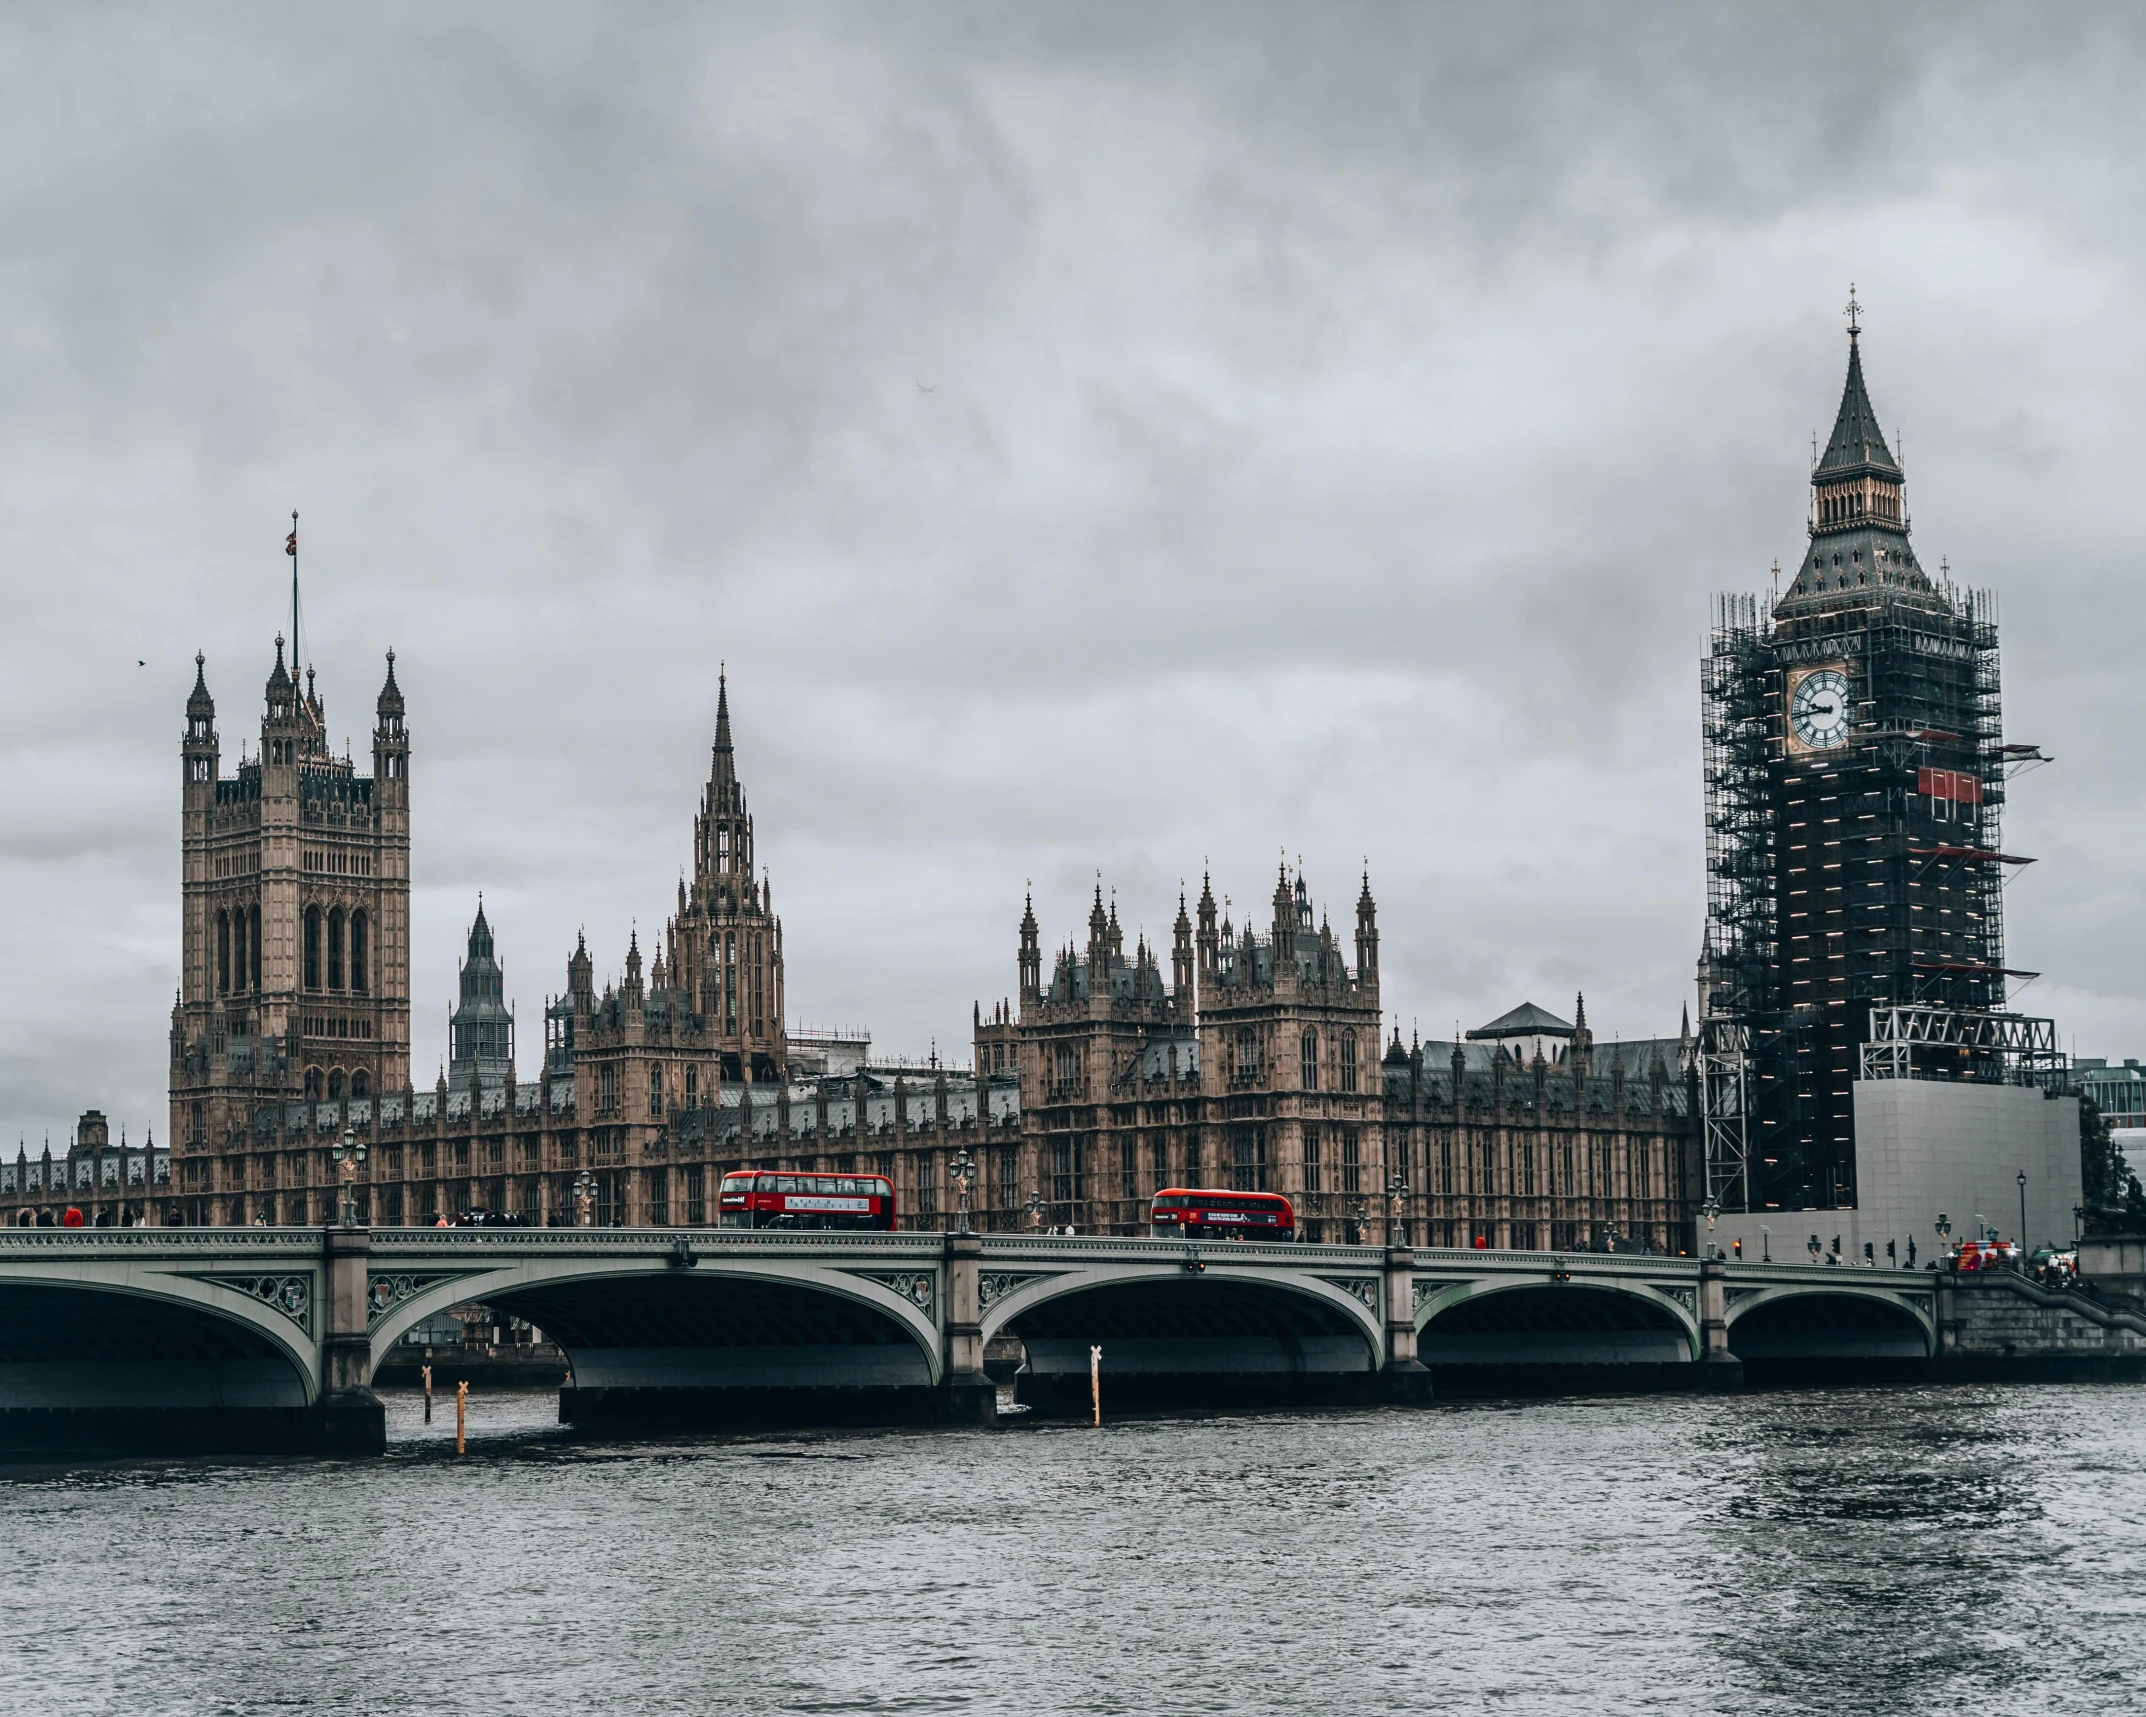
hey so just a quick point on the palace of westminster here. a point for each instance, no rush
(1256, 1062)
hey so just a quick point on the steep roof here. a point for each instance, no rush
(1857, 441)
(1526, 1020)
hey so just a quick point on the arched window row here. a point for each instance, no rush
(337, 948)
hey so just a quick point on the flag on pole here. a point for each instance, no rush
(290, 544)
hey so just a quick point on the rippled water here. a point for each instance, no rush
(1955, 1549)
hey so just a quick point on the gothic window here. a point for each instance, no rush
(1161, 1153)
(1009, 1178)
(239, 942)
(1068, 1069)
(1348, 1061)
(312, 947)
(1247, 1052)
(696, 1195)
(360, 1086)
(1066, 1170)
(1352, 1168)
(655, 1090)
(223, 953)
(1248, 1159)
(1129, 1166)
(1445, 1162)
(1314, 1170)
(358, 952)
(730, 981)
(928, 1183)
(335, 1086)
(253, 946)
(313, 1084)
(335, 949)
(692, 1088)
(1311, 1061)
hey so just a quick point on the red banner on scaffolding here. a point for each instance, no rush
(1951, 786)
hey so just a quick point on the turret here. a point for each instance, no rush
(1582, 1053)
(391, 744)
(1030, 960)
(1209, 942)
(1367, 933)
(1181, 967)
(1285, 924)
(199, 748)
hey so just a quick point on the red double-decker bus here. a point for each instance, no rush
(757, 1198)
(1201, 1213)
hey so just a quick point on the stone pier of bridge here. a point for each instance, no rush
(221, 1338)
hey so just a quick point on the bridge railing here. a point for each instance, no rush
(158, 1239)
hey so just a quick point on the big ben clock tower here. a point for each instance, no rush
(1855, 770)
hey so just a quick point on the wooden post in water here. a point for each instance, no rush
(1095, 1382)
(428, 1394)
(461, 1416)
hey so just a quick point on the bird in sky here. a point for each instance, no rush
(921, 388)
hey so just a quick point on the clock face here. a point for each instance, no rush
(1819, 709)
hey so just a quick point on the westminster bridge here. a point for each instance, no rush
(269, 1337)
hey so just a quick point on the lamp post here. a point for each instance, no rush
(585, 1197)
(348, 1152)
(961, 1171)
(1944, 1234)
(1397, 1209)
(1712, 1213)
(1034, 1207)
(1766, 1243)
(2022, 1217)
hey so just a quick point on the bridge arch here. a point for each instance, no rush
(666, 1337)
(1531, 1321)
(1226, 1330)
(124, 1356)
(1829, 1320)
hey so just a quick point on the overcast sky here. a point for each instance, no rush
(1096, 439)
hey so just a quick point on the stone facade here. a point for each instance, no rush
(1253, 1063)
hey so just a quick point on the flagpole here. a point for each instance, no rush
(294, 594)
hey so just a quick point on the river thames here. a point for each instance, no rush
(1896, 1550)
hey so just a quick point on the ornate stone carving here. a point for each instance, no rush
(997, 1284)
(383, 1293)
(1688, 1298)
(1364, 1289)
(1424, 1290)
(915, 1286)
(290, 1295)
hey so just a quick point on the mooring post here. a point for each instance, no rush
(1407, 1379)
(1718, 1367)
(350, 1417)
(970, 1397)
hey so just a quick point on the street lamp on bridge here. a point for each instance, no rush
(585, 1197)
(1034, 1207)
(1712, 1212)
(348, 1152)
(1397, 1208)
(962, 1172)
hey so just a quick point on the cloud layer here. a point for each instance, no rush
(1095, 439)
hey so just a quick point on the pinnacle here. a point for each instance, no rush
(1856, 440)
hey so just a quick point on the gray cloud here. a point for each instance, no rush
(1338, 421)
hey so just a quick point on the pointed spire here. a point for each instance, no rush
(198, 702)
(390, 692)
(722, 708)
(1856, 442)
